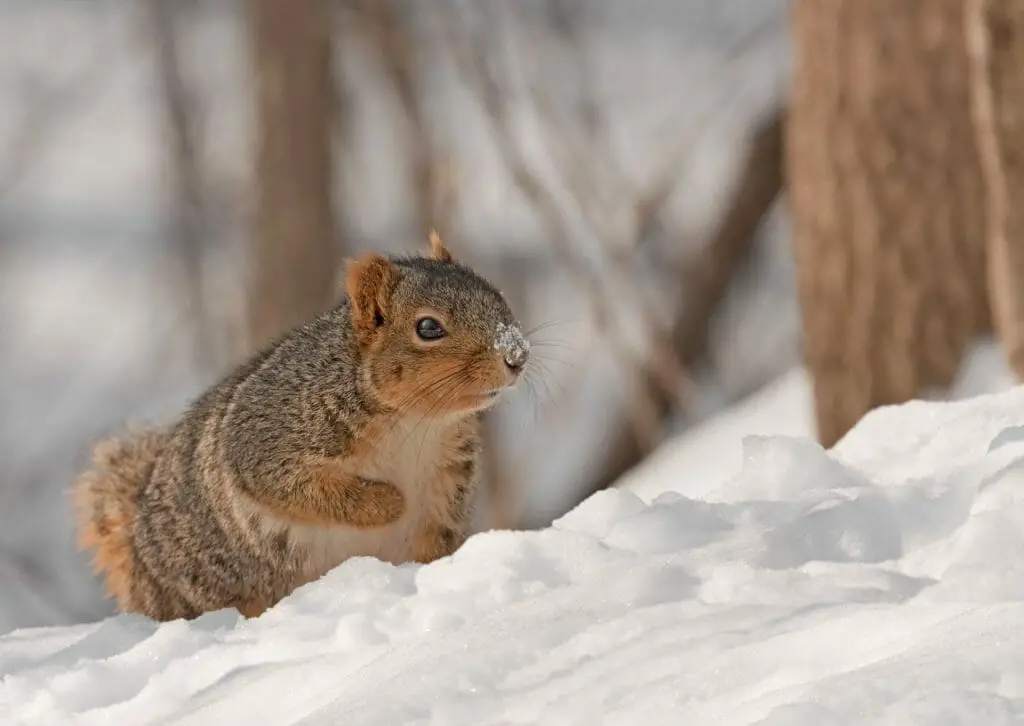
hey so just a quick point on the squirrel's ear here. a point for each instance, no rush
(437, 249)
(369, 282)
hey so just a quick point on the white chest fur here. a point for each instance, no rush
(406, 455)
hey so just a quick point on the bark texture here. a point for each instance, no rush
(995, 43)
(888, 206)
(294, 255)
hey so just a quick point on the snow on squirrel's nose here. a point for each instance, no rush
(513, 346)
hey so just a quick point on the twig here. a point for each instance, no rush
(760, 182)
(652, 198)
(759, 185)
(189, 229)
(583, 167)
(393, 38)
(475, 67)
(586, 164)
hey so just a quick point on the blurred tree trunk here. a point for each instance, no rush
(188, 233)
(886, 192)
(294, 255)
(995, 41)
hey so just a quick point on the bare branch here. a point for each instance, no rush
(474, 63)
(392, 33)
(189, 230)
(683, 342)
(759, 185)
(581, 174)
(584, 166)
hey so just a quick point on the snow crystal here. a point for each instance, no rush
(881, 582)
(514, 347)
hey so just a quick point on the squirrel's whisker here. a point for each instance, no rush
(531, 379)
(532, 400)
(545, 375)
(541, 358)
(436, 390)
(549, 324)
(549, 344)
(405, 404)
(440, 394)
(428, 390)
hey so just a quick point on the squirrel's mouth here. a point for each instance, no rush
(487, 395)
(479, 400)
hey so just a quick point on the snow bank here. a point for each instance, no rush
(879, 583)
(707, 455)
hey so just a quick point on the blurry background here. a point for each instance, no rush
(180, 180)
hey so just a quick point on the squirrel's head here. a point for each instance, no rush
(435, 337)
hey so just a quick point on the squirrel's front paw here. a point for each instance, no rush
(380, 503)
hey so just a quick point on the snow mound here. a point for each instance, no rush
(877, 583)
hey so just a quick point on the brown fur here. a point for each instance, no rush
(252, 608)
(351, 435)
(106, 504)
(369, 281)
(328, 495)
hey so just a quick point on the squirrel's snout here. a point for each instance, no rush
(514, 348)
(516, 358)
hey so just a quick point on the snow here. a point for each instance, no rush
(509, 340)
(879, 582)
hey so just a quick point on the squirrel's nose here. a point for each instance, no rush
(515, 358)
(513, 347)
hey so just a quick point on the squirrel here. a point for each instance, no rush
(354, 434)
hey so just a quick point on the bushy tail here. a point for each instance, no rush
(106, 503)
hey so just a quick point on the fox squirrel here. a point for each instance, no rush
(354, 434)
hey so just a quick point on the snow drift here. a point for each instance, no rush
(877, 583)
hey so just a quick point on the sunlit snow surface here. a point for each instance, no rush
(880, 583)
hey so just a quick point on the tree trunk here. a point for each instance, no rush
(995, 41)
(886, 192)
(294, 255)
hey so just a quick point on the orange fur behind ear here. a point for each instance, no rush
(369, 282)
(437, 249)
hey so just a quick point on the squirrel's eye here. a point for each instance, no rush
(429, 329)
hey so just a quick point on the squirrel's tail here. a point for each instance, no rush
(106, 503)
